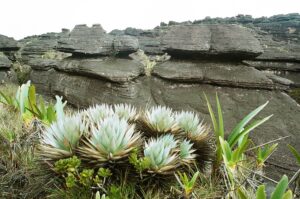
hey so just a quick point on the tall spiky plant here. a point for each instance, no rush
(61, 138)
(111, 139)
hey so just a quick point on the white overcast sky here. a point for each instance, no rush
(20, 18)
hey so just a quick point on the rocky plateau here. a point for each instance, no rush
(246, 61)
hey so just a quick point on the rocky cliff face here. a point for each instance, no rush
(246, 61)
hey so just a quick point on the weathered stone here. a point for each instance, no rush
(4, 61)
(278, 79)
(115, 70)
(223, 74)
(211, 40)
(85, 41)
(8, 44)
(37, 46)
(273, 65)
(125, 45)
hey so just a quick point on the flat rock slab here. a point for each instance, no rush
(224, 74)
(273, 65)
(83, 40)
(112, 69)
(211, 40)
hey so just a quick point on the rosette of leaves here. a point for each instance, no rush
(186, 154)
(158, 120)
(162, 153)
(198, 133)
(99, 112)
(61, 138)
(110, 140)
(125, 111)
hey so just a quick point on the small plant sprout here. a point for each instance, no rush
(264, 153)
(187, 184)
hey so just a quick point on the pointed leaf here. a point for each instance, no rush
(220, 117)
(280, 188)
(252, 126)
(260, 193)
(295, 153)
(241, 194)
(288, 195)
(213, 118)
(239, 128)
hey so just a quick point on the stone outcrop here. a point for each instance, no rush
(85, 41)
(4, 61)
(8, 43)
(207, 40)
(246, 61)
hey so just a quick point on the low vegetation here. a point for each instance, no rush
(117, 151)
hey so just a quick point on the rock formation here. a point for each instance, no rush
(246, 61)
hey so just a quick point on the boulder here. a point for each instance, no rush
(111, 69)
(200, 41)
(85, 41)
(37, 46)
(8, 44)
(4, 61)
(125, 45)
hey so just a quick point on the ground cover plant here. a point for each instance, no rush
(119, 151)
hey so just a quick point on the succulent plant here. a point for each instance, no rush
(61, 138)
(125, 111)
(99, 112)
(158, 120)
(111, 139)
(198, 133)
(162, 153)
(187, 152)
(189, 122)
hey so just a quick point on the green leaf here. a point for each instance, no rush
(220, 117)
(260, 193)
(32, 98)
(213, 118)
(240, 126)
(288, 195)
(295, 153)
(194, 178)
(233, 140)
(241, 194)
(51, 115)
(226, 149)
(279, 191)
(8, 99)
